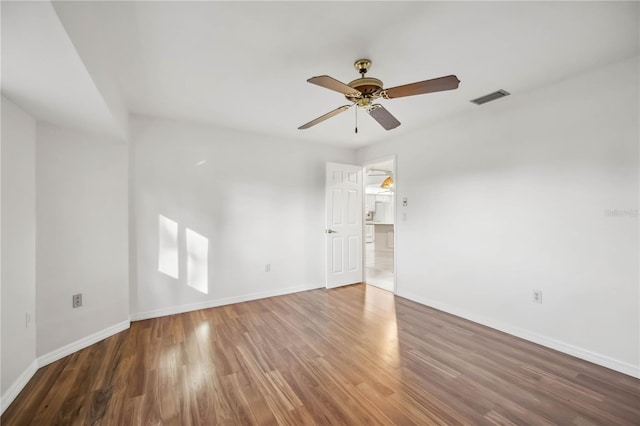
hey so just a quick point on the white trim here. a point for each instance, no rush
(172, 310)
(55, 355)
(17, 386)
(21, 382)
(82, 343)
(578, 352)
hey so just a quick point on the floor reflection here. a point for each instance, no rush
(379, 267)
(380, 313)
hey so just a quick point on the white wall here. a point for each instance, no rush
(1, 391)
(18, 249)
(258, 200)
(82, 241)
(515, 196)
(42, 72)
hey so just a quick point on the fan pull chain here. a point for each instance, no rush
(356, 119)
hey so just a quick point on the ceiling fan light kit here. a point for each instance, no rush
(364, 90)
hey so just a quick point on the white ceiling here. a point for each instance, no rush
(244, 64)
(42, 72)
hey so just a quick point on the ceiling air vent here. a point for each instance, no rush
(490, 97)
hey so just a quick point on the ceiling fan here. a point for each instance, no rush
(364, 91)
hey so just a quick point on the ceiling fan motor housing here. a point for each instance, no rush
(369, 87)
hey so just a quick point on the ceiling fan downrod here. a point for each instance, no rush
(362, 65)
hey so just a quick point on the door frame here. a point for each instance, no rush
(370, 163)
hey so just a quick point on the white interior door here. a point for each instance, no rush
(343, 224)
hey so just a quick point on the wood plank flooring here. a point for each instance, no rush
(354, 355)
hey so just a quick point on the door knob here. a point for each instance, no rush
(330, 231)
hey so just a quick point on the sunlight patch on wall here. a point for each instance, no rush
(197, 261)
(167, 246)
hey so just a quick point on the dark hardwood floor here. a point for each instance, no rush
(354, 355)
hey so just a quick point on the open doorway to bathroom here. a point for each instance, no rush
(379, 220)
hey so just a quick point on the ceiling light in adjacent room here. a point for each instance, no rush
(387, 183)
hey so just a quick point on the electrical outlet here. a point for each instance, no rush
(404, 202)
(267, 267)
(537, 296)
(77, 300)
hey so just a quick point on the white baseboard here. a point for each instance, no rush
(20, 383)
(172, 310)
(52, 356)
(82, 343)
(587, 355)
(7, 398)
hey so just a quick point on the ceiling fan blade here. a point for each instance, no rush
(449, 82)
(333, 84)
(324, 117)
(384, 117)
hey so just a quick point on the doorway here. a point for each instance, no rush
(379, 223)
